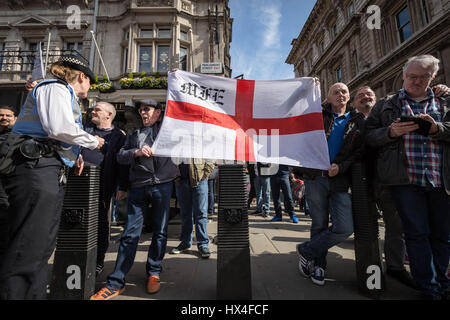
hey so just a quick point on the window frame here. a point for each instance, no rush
(400, 28)
(150, 59)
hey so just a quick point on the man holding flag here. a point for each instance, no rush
(327, 191)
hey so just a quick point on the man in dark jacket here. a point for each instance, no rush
(151, 181)
(327, 192)
(112, 175)
(8, 116)
(413, 160)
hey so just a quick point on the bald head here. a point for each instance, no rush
(103, 115)
(338, 96)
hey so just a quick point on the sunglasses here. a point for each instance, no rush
(145, 109)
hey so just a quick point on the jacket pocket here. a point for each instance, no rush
(391, 165)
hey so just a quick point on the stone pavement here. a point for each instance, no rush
(274, 267)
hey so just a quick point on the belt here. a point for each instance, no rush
(322, 173)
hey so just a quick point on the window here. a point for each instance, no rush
(145, 58)
(334, 30)
(78, 46)
(351, 9)
(339, 74)
(355, 63)
(2, 53)
(126, 35)
(404, 25)
(164, 33)
(146, 33)
(29, 56)
(183, 58)
(163, 58)
(184, 35)
(125, 60)
(385, 39)
(425, 15)
(321, 47)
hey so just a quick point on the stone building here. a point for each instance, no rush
(133, 37)
(362, 42)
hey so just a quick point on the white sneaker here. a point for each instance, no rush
(318, 276)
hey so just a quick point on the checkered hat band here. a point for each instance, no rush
(73, 60)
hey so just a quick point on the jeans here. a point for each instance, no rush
(323, 204)
(211, 183)
(425, 213)
(262, 188)
(138, 201)
(194, 210)
(278, 182)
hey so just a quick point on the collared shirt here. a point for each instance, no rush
(424, 154)
(337, 134)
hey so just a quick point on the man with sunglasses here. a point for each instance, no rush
(150, 181)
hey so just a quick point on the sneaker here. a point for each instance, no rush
(106, 294)
(265, 214)
(318, 276)
(305, 266)
(277, 218)
(181, 248)
(257, 212)
(98, 269)
(204, 252)
(153, 284)
(294, 219)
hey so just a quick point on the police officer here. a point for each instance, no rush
(51, 115)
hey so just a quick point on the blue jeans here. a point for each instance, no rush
(425, 214)
(324, 204)
(138, 201)
(262, 188)
(194, 210)
(211, 183)
(278, 182)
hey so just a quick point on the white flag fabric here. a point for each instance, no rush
(38, 66)
(219, 118)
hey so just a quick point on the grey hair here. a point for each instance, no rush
(427, 61)
(109, 107)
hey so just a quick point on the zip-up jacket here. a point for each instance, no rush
(391, 161)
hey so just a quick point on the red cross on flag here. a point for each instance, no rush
(227, 119)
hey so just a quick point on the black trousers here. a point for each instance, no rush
(103, 230)
(36, 197)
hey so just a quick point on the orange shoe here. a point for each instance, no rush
(106, 294)
(153, 284)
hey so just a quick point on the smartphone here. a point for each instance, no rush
(424, 125)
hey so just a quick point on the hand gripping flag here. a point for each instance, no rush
(227, 119)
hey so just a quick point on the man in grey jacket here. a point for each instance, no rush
(151, 182)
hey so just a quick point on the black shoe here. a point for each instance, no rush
(427, 296)
(204, 252)
(256, 212)
(181, 248)
(404, 277)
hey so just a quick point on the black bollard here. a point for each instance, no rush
(73, 275)
(233, 247)
(369, 269)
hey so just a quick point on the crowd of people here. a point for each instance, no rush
(402, 140)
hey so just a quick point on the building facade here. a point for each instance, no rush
(367, 42)
(136, 38)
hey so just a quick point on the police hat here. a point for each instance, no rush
(148, 102)
(77, 62)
